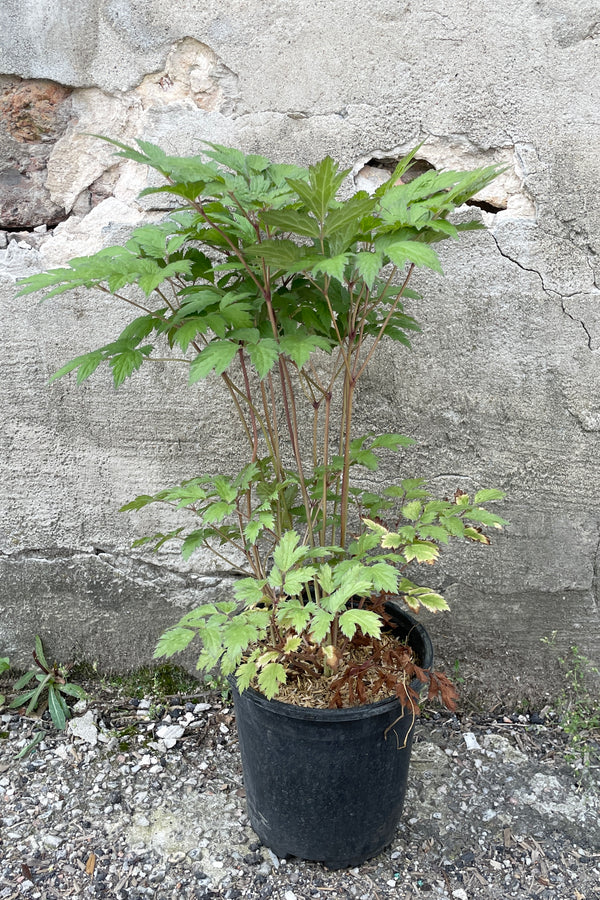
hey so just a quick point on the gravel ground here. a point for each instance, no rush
(134, 801)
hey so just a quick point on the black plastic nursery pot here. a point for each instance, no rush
(328, 785)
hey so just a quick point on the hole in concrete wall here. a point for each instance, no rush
(387, 166)
(377, 170)
(485, 206)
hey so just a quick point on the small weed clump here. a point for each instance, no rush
(579, 710)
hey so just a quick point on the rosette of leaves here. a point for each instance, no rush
(265, 278)
(51, 687)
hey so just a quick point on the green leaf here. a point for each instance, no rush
(294, 614)
(400, 252)
(320, 625)
(296, 580)
(249, 589)
(369, 265)
(288, 552)
(422, 551)
(486, 495)
(125, 364)
(252, 531)
(281, 253)
(39, 651)
(218, 355)
(245, 673)
(349, 213)
(216, 512)
(412, 510)
(325, 180)
(291, 220)
(193, 541)
(55, 708)
(453, 525)
(334, 266)
(90, 360)
(263, 355)
(392, 441)
(173, 641)
(300, 345)
(434, 602)
(24, 679)
(369, 622)
(434, 533)
(239, 635)
(270, 678)
(385, 577)
(485, 517)
(73, 690)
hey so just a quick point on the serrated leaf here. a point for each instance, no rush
(216, 512)
(282, 253)
(485, 517)
(320, 625)
(252, 531)
(125, 364)
(368, 266)
(421, 551)
(432, 601)
(412, 510)
(238, 635)
(217, 356)
(292, 220)
(392, 442)
(401, 252)
(334, 266)
(288, 551)
(270, 678)
(488, 494)
(300, 346)
(250, 590)
(173, 641)
(263, 355)
(368, 622)
(473, 535)
(193, 541)
(297, 579)
(385, 577)
(245, 673)
(434, 533)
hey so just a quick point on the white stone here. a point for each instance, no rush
(471, 741)
(84, 728)
(170, 734)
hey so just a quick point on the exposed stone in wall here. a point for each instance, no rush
(192, 72)
(33, 116)
(51, 165)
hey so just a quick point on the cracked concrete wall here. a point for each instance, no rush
(501, 389)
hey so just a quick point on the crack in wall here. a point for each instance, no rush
(551, 293)
(133, 568)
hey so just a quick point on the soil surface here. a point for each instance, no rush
(145, 799)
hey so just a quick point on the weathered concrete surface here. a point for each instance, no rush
(502, 388)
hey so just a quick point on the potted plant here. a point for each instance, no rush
(263, 277)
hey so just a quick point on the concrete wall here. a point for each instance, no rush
(502, 388)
